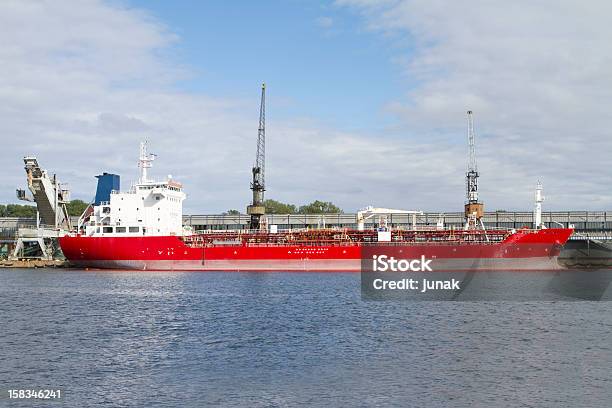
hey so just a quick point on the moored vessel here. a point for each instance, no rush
(142, 229)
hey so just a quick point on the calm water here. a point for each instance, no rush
(283, 339)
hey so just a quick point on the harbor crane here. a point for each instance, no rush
(474, 210)
(369, 212)
(257, 210)
(48, 193)
(51, 198)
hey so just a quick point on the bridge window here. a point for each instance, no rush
(134, 229)
(107, 229)
(120, 229)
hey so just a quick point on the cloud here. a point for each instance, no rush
(535, 73)
(82, 83)
(325, 22)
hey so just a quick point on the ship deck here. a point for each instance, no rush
(344, 237)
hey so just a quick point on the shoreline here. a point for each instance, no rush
(34, 263)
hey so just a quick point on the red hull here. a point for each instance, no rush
(522, 250)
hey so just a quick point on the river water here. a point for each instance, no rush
(161, 339)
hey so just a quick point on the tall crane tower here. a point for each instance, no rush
(474, 210)
(257, 210)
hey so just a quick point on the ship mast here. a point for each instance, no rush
(144, 162)
(257, 210)
(474, 210)
(537, 213)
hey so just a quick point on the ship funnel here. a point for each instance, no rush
(106, 183)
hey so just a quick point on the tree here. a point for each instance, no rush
(18, 210)
(320, 207)
(76, 207)
(232, 212)
(276, 207)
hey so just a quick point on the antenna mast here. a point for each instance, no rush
(257, 210)
(144, 162)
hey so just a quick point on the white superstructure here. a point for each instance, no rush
(148, 208)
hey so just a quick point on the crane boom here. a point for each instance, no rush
(471, 143)
(472, 170)
(474, 210)
(260, 158)
(258, 184)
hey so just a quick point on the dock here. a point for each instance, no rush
(33, 263)
(590, 245)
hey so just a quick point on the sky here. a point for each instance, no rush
(366, 99)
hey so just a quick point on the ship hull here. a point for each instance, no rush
(520, 251)
(330, 265)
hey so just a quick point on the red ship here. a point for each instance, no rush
(142, 229)
(318, 250)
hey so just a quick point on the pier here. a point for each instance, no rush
(590, 245)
